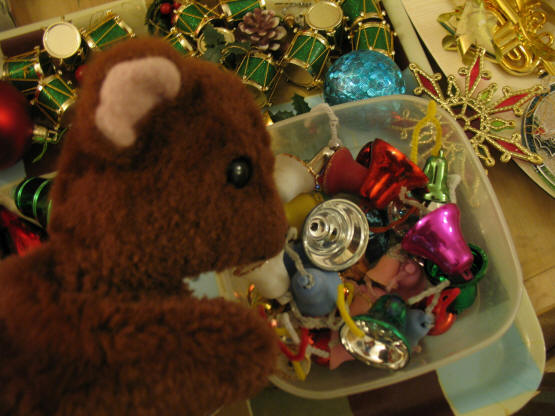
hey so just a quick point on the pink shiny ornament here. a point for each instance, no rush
(437, 237)
(389, 170)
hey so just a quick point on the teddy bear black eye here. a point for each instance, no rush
(239, 172)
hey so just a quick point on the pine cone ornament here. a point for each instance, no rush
(262, 29)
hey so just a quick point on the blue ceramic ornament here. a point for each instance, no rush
(358, 75)
(419, 324)
(316, 296)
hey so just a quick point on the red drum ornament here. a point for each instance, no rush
(389, 170)
(16, 126)
(437, 237)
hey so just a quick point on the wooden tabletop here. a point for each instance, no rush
(530, 214)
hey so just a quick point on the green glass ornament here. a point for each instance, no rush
(436, 171)
(32, 200)
(469, 288)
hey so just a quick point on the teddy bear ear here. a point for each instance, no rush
(129, 91)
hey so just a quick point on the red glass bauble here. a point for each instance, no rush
(16, 126)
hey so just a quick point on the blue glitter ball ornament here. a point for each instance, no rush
(358, 75)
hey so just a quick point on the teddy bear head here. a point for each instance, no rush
(166, 171)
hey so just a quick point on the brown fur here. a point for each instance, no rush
(97, 321)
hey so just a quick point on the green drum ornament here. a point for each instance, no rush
(326, 18)
(362, 10)
(259, 73)
(180, 42)
(305, 60)
(54, 98)
(384, 344)
(108, 31)
(25, 70)
(32, 200)
(469, 288)
(63, 43)
(191, 18)
(234, 10)
(374, 36)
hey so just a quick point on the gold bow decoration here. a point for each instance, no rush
(517, 34)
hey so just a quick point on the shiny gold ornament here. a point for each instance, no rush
(519, 40)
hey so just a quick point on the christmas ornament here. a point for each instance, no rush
(436, 171)
(16, 126)
(384, 344)
(315, 292)
(55, 98)
(335, 234)
(356, 11)
(443, 319)
(476, 110)
(106, 32)
(419, 323)
(373, 36)
(298, 208)
(538, 135)
(403, 277)
(342, 174)
(469, 288)
(24, 71)
(326, 18)
(79, 73)
(22, 236)
(63, 43)
(158, 23)
(235, 10)
(269, 277)
(260, 73)
(362, 74)
(438, 238)
(262, 29)
(306, 59)
(516, 35)
(378, 241)
(389, 170)
(32, 200)
(46, 136)
(292, 177)
(165, 8)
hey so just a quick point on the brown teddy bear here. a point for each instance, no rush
(166, 173)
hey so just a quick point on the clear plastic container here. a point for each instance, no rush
(392, 119)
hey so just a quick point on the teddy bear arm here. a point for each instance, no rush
(179, 356)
